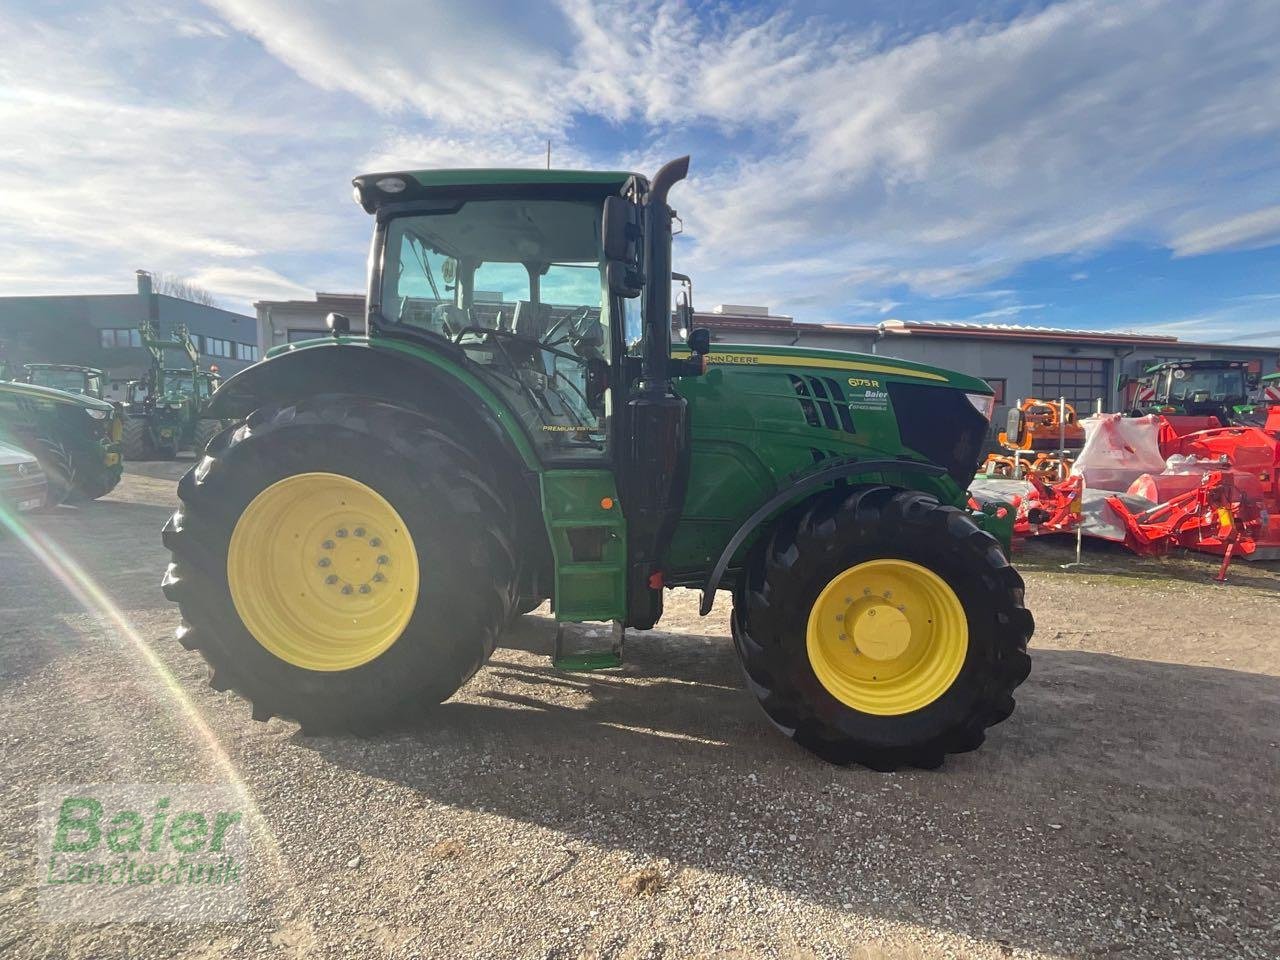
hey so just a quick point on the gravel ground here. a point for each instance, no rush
(1128, 809)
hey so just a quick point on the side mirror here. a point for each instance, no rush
(699, 340)
(620, 236)
(619, 230)
(338, 324)
(624, 280)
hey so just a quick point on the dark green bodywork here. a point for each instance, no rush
(753, 435)
(85, 427)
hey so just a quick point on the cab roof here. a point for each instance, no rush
(62, 366)
(1195, 365)
(419, 183)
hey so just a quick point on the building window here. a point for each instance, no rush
(113, 337)
(247, 351)
(295, 335)
(1082, 380)
(997, 384)
(214, 346)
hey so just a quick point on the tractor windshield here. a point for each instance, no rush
(1189, 384)
(518, 285)
(72, 381)
(178, 386)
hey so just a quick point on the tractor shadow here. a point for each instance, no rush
(1117, 786)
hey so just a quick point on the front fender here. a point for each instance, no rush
(794, 494)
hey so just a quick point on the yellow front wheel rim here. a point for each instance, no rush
(323, 571)
(887, 637)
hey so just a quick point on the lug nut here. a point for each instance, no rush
(324, 561)
(383, 559)
(375, 542)
(328, 544)
(358, 532)
(346, 588)
(364, 588)
(378, 578)
(340, 532)
(331, 579)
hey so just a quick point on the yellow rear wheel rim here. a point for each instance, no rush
(887, 637)
(323, 571)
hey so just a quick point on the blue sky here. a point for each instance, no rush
(1080, 163)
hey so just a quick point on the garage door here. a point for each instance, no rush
(1082, 380)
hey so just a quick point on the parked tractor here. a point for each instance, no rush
(1193, 388)
(76, 438)
(165, 411)
(73, 378)
(514, 425)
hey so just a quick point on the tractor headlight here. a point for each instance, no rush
(391, 184)
(984, 403)
(98, 414)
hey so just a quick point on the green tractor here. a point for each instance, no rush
(1198, 388)
(73, 378)
(75, 437)
(165, 412)
(515, 426)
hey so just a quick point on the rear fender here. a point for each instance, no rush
(415, 378)
(398, 373)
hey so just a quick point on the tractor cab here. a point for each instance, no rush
(1200, 388)
(514, 282)
(86, 381)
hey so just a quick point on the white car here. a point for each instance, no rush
(23, 485)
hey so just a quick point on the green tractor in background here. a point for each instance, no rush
(71, 377)
(164, 412)
(1197, 388)
(516, 426)
(76, 438)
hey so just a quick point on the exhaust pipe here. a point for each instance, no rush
(657, 290)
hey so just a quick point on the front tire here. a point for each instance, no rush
(400, 494)
(927, 677)
(205, 431)
(134, 438)
(59, 469)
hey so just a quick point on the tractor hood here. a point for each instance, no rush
(836, 362)
(51, 395)
(831, 405)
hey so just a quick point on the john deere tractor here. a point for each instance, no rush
(515, 425)
(164, 412)
(75, 437)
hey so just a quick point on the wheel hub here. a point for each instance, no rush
(881, 631)
(887, 637)
(323, 571)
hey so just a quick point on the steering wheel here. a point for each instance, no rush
(571, 320)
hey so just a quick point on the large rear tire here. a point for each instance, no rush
(881, 627)
(331, 642)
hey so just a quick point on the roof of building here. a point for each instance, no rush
(1014, 331)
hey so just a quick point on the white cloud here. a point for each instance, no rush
(835, 170)
(249, 283)
(1249, 231)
